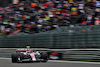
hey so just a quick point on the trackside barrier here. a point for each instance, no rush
(60, 53)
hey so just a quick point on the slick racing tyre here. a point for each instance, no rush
(14, 57)
(21, 55)
(44, 56)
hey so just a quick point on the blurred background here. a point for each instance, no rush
(67, 29)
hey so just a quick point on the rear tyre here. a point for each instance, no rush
(14, 58)
(44, 56)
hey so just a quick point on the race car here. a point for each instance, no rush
(28, 55)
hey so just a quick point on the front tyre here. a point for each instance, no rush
(21, 56)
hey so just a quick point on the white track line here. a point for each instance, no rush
(6, 58)
(74, 62)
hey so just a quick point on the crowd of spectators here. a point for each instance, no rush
(34, 16)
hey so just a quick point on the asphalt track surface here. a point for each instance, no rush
(51, 63)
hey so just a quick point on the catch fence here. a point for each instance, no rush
(64, 37)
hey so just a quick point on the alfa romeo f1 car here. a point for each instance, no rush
(28, 55)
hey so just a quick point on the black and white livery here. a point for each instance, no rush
(28, 55)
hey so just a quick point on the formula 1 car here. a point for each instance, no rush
(28, 55)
